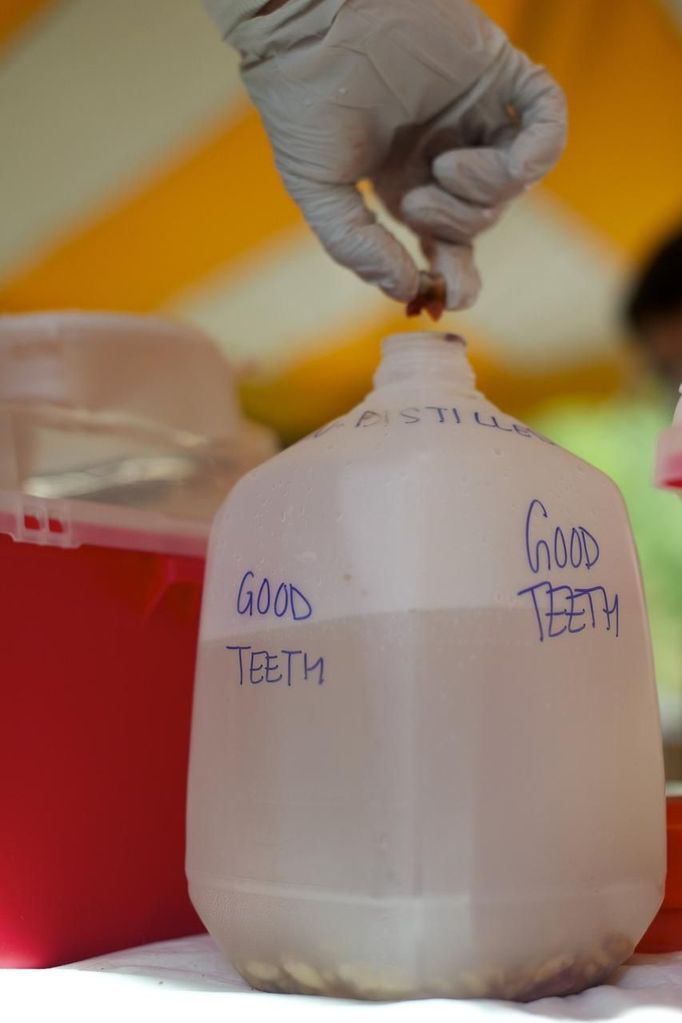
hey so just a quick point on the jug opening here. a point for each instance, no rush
(425, 356)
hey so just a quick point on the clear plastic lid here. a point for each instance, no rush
(131, 411)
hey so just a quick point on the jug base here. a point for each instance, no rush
(288, 945)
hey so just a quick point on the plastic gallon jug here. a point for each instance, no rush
(426, 755)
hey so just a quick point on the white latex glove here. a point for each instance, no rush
(427, 99)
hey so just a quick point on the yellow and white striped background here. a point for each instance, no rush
(135, 176)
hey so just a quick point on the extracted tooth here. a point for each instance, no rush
(261, 974)
(305, 977)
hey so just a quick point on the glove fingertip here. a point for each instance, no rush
(402, 284)
(465, 299)
(462, 279)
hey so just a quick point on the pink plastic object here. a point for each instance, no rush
(100, 611)
(668, 469)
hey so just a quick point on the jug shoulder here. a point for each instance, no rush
(471, 440)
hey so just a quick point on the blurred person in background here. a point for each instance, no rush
(654, 312)
(619, 436)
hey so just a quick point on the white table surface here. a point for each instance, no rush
(186, 980)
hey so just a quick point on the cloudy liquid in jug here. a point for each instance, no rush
(335, 740)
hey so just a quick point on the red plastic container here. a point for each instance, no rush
(100, 611)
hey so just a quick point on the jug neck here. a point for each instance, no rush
(427, 357)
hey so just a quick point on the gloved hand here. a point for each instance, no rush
(427, 99)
